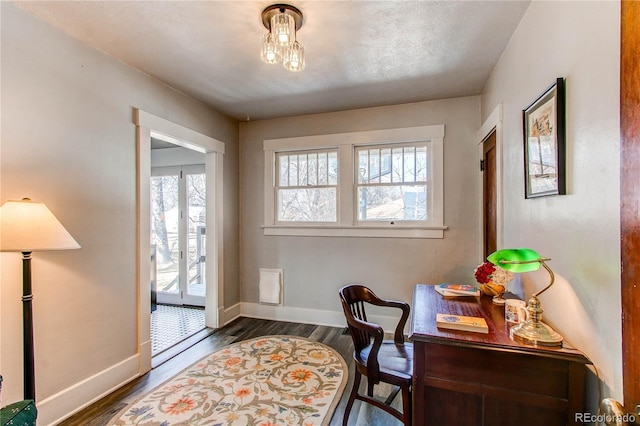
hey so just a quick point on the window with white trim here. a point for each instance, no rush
(381, 183)
(392, 183)
(307, 186)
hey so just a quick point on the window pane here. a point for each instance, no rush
(397, 165)
(323, 169)
(312, 169)
(307, 205)
(409, 164)
(303, 167)
(333, 168)
(397, 202)
(385, 165)
(293, 170)
(164, 231)
(307, 169)
(374, 166)
(421, 164)
(196, 210)
(363, 166)
(283, 174)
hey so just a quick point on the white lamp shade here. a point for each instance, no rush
(26, 226)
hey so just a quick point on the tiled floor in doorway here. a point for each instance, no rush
(171, 325)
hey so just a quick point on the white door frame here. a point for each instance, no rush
(494, 121)
(146, 125)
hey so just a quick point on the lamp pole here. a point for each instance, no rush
(27, 328)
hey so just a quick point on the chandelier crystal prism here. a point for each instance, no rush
(280, 44)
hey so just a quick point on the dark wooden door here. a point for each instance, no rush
(489, 194)
(630, 200)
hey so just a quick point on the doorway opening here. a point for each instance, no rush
(489, 138)
(489, 195)
(178, 207)
(178, 233)
(148, 127)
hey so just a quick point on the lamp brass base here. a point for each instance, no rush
(536, 333)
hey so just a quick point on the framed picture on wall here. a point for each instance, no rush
(544, 143)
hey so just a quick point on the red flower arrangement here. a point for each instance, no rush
(484, 271)
(493, 280)
(488, 272)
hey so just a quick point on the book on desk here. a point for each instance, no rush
(461, 322)
(456, 290)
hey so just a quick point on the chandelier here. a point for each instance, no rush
(279, 45)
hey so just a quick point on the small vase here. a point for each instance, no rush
(492, 289)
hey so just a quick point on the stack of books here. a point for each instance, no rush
(447, 289)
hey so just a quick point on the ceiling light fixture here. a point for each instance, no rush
(279, 45)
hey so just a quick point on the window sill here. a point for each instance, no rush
(353, 231)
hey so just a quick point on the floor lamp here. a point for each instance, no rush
(26, 227)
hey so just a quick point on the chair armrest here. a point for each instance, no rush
(373, 366)
(398, 337)
(399, 334)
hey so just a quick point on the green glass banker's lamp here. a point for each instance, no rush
(533, 331)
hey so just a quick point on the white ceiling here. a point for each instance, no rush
(358, 53)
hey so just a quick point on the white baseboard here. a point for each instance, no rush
(63, 404)
(145, 357)
(309, 316)
(231, 313)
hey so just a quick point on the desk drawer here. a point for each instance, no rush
(511, 371)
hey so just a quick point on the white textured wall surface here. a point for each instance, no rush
(316, 267)
(68, 140)
(580, 231)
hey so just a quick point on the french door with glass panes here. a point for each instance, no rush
(178, 234)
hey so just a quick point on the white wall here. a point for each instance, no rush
(580, 231)
(68, 140)
(178, 156)
(316, 267)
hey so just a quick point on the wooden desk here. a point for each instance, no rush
(465, 378)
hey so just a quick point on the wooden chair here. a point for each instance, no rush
(389, 361)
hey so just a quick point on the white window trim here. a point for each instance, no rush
(347, 225)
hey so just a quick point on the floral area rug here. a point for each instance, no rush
(274, 380)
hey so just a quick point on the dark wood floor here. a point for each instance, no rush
(102, 411)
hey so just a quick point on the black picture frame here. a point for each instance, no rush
(545, 144)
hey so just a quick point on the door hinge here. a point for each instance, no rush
(180, 254)
(482, 165)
